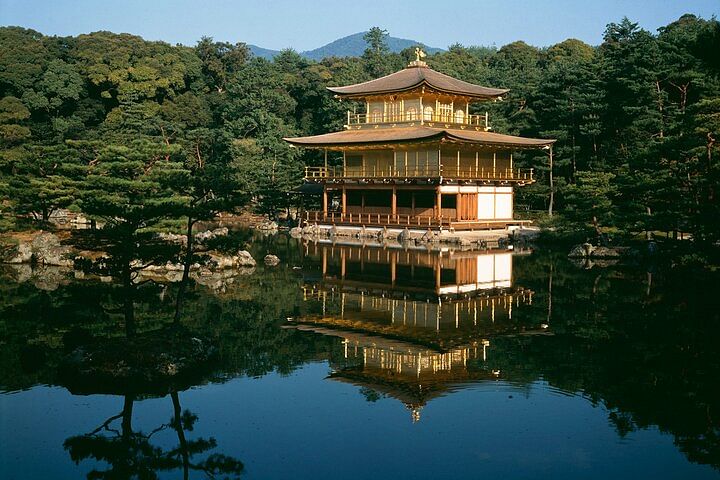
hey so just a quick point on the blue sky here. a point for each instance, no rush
(308, 24)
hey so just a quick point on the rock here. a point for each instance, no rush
(223, 261)
(202, 237)
(47, 250)
(20, 253)
(588, 251)
(49, 278)
(173, 238)
(404, 236)
(174, 267)
(312, 230)
(271, 260)
(429, 237)
(268, 225)
(607, 252)
(584, 250)
(244, 259)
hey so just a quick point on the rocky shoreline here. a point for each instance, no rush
(45, 259)
(428, 238)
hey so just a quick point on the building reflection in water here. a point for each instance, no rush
(415, 324)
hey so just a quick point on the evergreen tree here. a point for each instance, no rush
(129, 190)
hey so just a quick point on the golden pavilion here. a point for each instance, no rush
(417, 157)
(414, 324)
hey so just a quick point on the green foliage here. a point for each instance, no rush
(636, 118)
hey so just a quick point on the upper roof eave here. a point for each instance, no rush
(412, 78)
(386, 136)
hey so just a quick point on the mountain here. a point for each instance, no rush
(350, 46)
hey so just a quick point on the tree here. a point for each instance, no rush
(590, 201)
(376, 53)
(43, 179)
(220, 61)
(130, 190)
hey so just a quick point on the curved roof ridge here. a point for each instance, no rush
(412, 77)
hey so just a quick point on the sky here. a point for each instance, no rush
(305, 25)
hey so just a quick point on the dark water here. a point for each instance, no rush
(351, 362)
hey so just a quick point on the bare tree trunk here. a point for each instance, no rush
(186, 269)
(660, 107)
(128, 302)
(550, 282)
(177, 424)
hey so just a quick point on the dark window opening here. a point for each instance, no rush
(378, 198)
(448, 276)
(424, 199)
(353, 198)
(449, 201)
(404, 199)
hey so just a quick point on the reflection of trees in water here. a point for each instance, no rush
(647, 351)
(642, 345)
(131, 454)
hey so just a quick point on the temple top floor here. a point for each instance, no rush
(417, 80)
(417, 95)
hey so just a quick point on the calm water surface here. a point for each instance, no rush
(364, 362)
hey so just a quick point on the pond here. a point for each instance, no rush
(358, 361)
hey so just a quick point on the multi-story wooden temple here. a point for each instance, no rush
(414, 324)
(437, 298)
(417, 157)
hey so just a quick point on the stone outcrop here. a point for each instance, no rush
(587, 250)
(43, 249)
(271, 260)
(268, 226)
(200, 237)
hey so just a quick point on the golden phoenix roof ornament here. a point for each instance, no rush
(419, 55)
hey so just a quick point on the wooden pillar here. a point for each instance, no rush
(393, 267)
(342, 264)
(438, 269)
(344, 201)
(325, 201)
(458, 206)
(439, 203)
(394, 201)
(324, 261)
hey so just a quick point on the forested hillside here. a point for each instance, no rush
(351, 46)
(637, 120)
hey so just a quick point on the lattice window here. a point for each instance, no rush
(445, 112)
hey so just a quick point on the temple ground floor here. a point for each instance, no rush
(458, 207)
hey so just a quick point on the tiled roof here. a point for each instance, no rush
(414, 77)
(416, 133)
